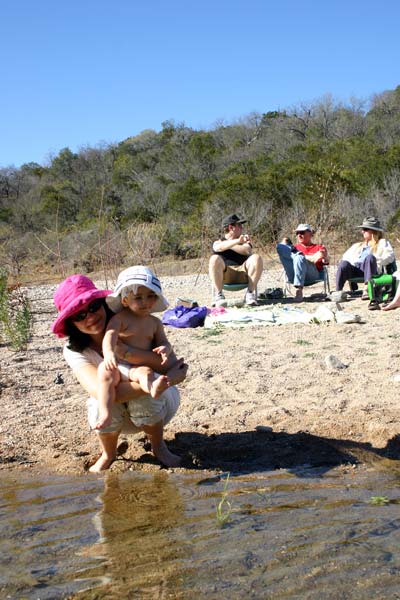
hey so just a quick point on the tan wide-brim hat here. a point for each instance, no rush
(371, 223)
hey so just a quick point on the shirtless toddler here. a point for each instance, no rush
(137, 294)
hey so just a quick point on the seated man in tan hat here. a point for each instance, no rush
(304, 261)
(367, 258)
(234, 262)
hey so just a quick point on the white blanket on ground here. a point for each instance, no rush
(277, 315)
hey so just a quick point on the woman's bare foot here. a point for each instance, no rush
(166, 457)
(102, 464)
(392, 305)
(159, 386)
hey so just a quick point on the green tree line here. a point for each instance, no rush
(165, 192)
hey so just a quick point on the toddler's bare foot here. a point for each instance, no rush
(159, 386)
(104, 420)
(102, 464)
(166, 457)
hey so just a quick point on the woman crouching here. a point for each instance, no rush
(82, 318)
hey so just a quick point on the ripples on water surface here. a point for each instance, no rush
(307, 534)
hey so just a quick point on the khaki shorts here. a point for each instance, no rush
(130, 417)
(236, 274)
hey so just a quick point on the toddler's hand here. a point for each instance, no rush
(110, 361)
(164, 352)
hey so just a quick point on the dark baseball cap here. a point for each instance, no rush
(232, 220)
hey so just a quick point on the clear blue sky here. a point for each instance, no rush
(83, 72)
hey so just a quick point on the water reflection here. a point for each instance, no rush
(139, 534)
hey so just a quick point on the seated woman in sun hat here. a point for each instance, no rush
(367, 258)
(82, 318)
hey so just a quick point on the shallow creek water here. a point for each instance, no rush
(310, 533)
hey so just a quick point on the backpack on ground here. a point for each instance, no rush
(185, 316)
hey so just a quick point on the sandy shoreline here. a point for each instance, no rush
(241, 382)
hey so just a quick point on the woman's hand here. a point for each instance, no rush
(163, 352)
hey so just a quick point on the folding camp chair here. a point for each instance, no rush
(388, 269)
(229, 287)
(324, 279)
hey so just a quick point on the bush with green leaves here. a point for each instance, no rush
(15, 315)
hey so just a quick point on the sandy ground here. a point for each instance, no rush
(255, 397)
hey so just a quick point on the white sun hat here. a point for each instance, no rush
(130, 280)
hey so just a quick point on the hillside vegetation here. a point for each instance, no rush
(163, 193)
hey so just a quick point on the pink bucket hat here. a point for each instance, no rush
(72, 294)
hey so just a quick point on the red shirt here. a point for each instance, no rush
(312, 249)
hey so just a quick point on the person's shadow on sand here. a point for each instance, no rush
(253, 451)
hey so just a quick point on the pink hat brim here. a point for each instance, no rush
(58, 326)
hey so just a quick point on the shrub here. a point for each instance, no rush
(15, 315)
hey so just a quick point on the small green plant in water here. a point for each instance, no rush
(224, 507)
(379, 500)
(15, 315)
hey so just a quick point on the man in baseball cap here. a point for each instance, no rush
(304, 261)
(233, 261)
(232, 220)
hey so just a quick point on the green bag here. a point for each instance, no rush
(382, 288)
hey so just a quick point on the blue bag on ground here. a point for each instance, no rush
(184, 316)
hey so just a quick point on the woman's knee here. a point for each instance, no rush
(172, 398)
(108, 376)
(370, 260)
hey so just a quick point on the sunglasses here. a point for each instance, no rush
(92, 308)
